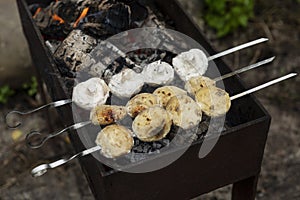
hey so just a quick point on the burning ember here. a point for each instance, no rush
(97, 18)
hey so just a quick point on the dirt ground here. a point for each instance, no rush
(279, 21)
(280, 173)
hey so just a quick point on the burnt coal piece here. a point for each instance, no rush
(105, 23)
(98, 20)
(73, 54)
(55, 20)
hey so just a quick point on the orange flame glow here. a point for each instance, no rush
(57, 18)
(37, 12)
(82, 15)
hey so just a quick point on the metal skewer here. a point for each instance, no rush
(42, 169)
(67, 101)
(244, 69)
(237, 48)
(36, 139)
(52, 104)
(277, 80)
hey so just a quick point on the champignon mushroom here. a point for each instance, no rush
(107, 114)
(196, 83)
(158, 73)
(90, 93)
(214, 101)
(141, 102)
(190, 64)
(126, 83)
(115, 140)
(150, 123)
(184, 111)
(165, 93)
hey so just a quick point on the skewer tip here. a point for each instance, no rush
(264, 39)
(272, 58)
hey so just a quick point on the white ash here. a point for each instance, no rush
(74, 50)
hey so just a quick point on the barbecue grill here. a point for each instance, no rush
(236, 158)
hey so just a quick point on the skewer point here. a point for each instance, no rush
(264, 39)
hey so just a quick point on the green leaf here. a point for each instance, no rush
(243, 20)
(5, 93)
(227, 15)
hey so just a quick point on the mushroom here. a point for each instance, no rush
(196, 83)
(214, 101)
(107, 114)
(115, 140)
(141, 102)
(190, 64)
(90, 93)
(165, 93)
(150, 123)
(158, 73)
(184, 111)
(126, 83)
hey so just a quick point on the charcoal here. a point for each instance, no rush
(139, 13)
(52, 28)
(107, 22)
(73, 53)
(146, 148)
(154, 151)
(156, 145)
(165, 142)
(153, 21)
(138, 149)
(33, 8)
(135, 157)
(203, 126)
(184, 137)
(52, 45)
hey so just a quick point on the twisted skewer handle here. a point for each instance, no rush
(42, 169)
(36, 139)
(52, 104)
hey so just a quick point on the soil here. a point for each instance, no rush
(280, 174)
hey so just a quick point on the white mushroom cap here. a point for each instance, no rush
(190, 64)
(115, 140)
(90, 93)
(126, 83)
(158, 73)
